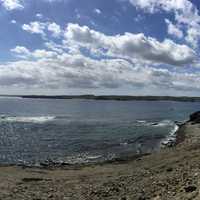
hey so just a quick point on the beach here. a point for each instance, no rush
(172, 173)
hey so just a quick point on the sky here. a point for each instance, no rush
(102, 47)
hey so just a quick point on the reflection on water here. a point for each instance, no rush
(34, 130)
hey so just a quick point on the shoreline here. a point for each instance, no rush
(171, 173)
(180, 134)
(172, 139)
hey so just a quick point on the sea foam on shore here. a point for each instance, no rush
(170, 140)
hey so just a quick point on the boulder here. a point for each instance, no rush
(195, 117)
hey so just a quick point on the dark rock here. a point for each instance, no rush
(142, 198)
(195, 117)
(154, 124)
(190, 188)
(170, 169)
(178, 123)
(32, 179)
(50, 196)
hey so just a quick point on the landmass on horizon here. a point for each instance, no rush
(111, 97)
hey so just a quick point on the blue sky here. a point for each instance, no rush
(134, 47)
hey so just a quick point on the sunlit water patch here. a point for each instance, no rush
(80, 131)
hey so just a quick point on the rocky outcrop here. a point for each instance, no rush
(195, 117)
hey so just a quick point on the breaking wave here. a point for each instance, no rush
(161, 123)
(32, 119)
(171, 138)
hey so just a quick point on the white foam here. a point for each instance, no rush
(171, 138)
(141, 121)
(94, 157)
(35, 119)
(163, 123)
(174, 130)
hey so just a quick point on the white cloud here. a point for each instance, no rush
(19, 4)
(130, 46)
(138, 18)
(41, 53)
(193, 35)
(12, 4)
(41, 28)
(174, 30)
(39, 15)
(13, 21)
(21, 52)
(55, 47)
(128, 60)
(78, 71)
(25, 53)
(185, 12)
(97, 11)
(55, 29)
(168, 5)
(35, 28)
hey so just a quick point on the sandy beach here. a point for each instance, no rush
(172, 173)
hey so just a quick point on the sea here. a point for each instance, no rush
(34, 131)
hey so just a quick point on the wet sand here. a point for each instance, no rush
(173, 173)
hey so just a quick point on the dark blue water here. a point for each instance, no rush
(78, 131)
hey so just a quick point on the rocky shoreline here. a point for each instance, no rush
(171, 174)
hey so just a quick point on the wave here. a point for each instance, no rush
(141, 121)
(171, 138)
(84, 158)
(161, 123)
(27, 119)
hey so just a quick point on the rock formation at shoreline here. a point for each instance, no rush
(195, 117)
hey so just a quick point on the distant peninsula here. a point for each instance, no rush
(111, 97)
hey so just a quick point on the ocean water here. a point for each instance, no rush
(80, 131)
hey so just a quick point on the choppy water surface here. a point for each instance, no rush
(79, 131)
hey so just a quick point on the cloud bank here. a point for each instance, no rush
(75, 56)
(86, 58)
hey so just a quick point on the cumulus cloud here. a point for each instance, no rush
(130, 46)
(35, 28)
(41, 28)
(78, 71)
(12, 4)
(19, 4)
(21, 52)
(55, 29)
(193, 35)
(185, 13)
(174, 30)
(25, 53)
(128, 60)
(80, 57)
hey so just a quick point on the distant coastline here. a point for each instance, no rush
(110, 97)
